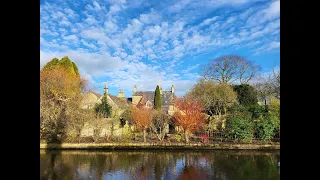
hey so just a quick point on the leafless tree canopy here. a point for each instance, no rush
(227, 69)
(269, 86)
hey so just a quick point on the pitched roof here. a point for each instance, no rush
(166, 96)
(120, 102)
(97, 94)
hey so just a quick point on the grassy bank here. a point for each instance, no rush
(157, 146)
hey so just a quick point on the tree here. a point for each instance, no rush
(239, 126)
(60, 91)
(142, 118)
(268, 86)
(189, 116)
(214, 97)
(230, 68)
(157, 99)
(247, 95)
(103, 109)
(65, 63)
(265, 127)
(159, 124)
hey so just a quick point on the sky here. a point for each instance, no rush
(152, 42)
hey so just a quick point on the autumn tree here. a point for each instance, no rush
(189, 116)
(60, 88)
(214, 97)
(157, 99)
(142, 118)
(230, 68)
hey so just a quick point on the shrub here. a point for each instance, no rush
(204, 138)
(265, 127)
(177, 137)
(239, 127)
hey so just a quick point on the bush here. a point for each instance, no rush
(204, 138)
(257, 111)
(265, 127)
(239, 127)
(177, 137)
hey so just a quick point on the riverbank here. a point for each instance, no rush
(157, 146)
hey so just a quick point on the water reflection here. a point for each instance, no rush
(220, 165)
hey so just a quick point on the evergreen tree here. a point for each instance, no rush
(157, 99)
(247, 95)
(103, 109)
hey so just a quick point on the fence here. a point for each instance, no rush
(221, 137)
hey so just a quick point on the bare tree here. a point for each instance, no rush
(227, 69)
(268, 86)
(159, 123)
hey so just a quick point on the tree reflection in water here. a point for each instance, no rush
(224, 165)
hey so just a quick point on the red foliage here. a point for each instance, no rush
(189, 116)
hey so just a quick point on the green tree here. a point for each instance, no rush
(51, 64)
(65, 63)
(239, 126)
(247, 95)
(265, 126)
(157, 99)
(103, 109)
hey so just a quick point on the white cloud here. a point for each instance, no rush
(190, 68)
(71, 37)
(150, 18)
(208, 21)
(273, 10)
(90, 20)
(96, 6)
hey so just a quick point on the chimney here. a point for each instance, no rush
(135, 89)
(121, 94)
(172, 89)
(106, 89)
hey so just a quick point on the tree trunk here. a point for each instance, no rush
(186, 136)
(144, 136)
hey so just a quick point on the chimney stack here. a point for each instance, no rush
(121, 94)
(135, 89)
(106, 89)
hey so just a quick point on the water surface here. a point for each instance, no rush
(217, 164)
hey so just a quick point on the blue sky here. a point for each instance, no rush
(150, 42)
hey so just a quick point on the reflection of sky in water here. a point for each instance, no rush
(114, 175)
(203, 162)
(180, 165)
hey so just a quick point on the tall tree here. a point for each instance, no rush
(60, 90)
(214, 97)
(157, 99)
(230, 68)
(247, 95)
(142, 118)
(189, 116)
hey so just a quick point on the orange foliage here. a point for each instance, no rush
(142, 117)
(59, 84)
(189, 116)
